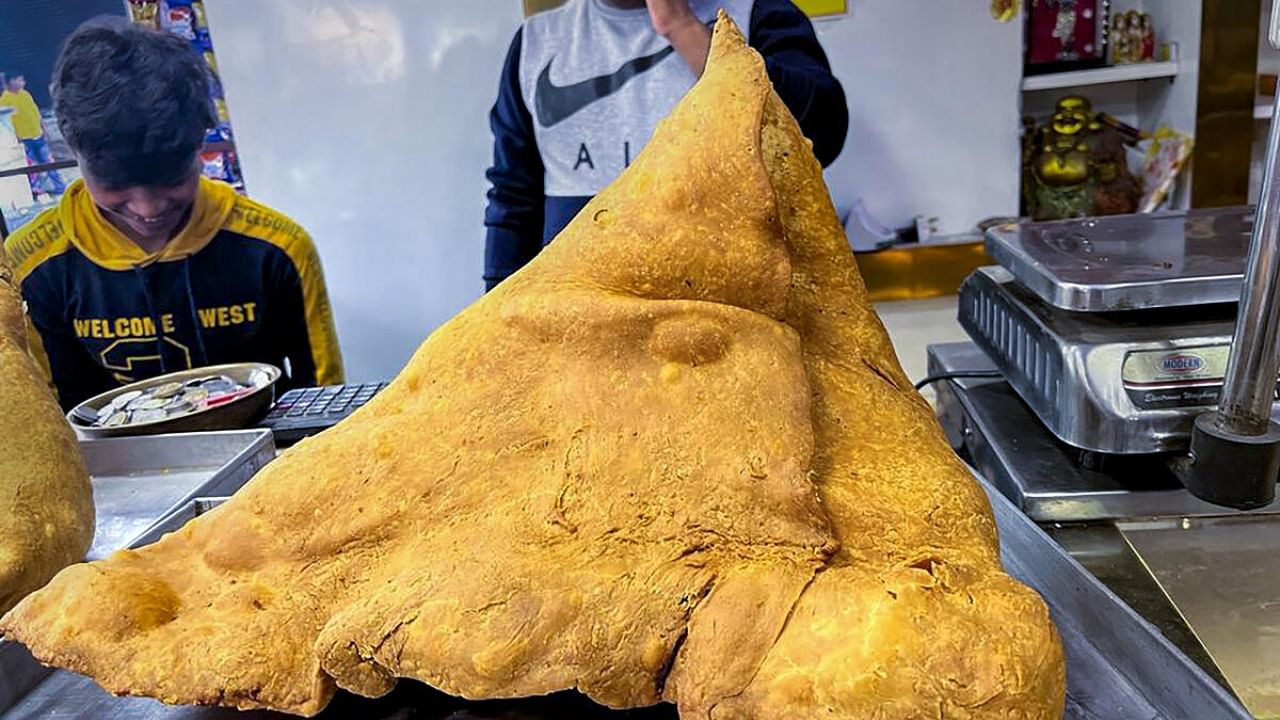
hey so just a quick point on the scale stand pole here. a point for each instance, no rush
(1235, 450)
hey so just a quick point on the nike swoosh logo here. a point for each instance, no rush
(557, 103)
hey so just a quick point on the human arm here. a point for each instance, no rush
(801, 74)
(514, 216)
(675, 21)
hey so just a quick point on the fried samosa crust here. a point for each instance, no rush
(673, 459)
(46, 503)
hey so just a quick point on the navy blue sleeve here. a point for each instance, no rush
(801, 74)
(514, 217)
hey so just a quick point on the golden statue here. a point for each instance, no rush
(1075, 166)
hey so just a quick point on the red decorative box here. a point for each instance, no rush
(1066, 33)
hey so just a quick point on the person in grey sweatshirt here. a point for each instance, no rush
(584, 86)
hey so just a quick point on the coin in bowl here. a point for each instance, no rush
(167, 390)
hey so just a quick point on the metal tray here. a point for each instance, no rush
(1128, 262)
(137, 483)
(1118, 665)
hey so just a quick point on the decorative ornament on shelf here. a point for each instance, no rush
(1166, 157)
(1075, 165)
(145, 13)
(1133, 38)
(1148, 38)
(1120, 39)
(1065, 34)
(1005, 10)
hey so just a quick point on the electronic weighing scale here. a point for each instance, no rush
(1116, 330)
(1112, 335)
(1143, 351)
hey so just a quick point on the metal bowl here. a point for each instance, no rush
(232, 415)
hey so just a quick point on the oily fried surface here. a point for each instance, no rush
(914, 616)
(46, 505)
(674, 458)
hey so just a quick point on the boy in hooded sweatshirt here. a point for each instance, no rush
(145, 267)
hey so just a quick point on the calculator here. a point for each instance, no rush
(306, 411)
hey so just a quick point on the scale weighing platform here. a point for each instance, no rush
(1096, 344)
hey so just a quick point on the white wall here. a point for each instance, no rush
(1173, 103)
(366, 121)
(933, 93)
(1268, 57)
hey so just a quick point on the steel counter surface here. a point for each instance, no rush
(137, 481)
(1223, 575)
(1118, 665)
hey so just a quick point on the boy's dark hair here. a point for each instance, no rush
(132, 103)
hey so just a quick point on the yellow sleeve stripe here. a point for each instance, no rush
(34, 243)
(259, 221)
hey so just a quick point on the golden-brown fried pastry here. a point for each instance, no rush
(674, 458)
(46, 504)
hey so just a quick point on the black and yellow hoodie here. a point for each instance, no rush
(240, 282)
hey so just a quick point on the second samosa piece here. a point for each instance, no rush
(46, 503)
(672, 459)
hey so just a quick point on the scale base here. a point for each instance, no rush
(1051, 482)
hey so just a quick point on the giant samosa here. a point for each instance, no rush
(673, 459)
(46, 503)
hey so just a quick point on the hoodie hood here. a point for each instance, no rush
(106, 246)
